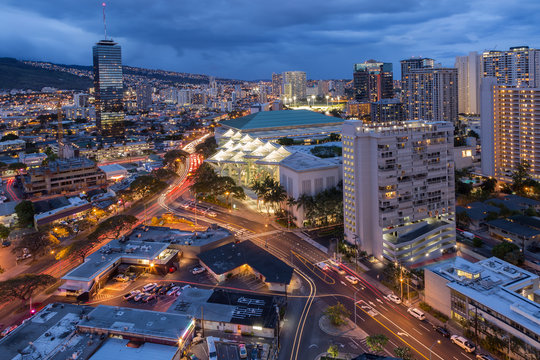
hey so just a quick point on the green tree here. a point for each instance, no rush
(4, 231)
(285, 141)
(489, 185)
(113, 227)
(404, 353)
(520, 176)
(146, 185)
(337, 314)
(9, 137)
(25, 212)
(173, 159)
(207, 148)
(36, 242)
(376, 343)
(333, 351)
(23, 286)
(509, 252)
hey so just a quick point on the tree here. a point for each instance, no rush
(25, 212)
(520, 176)
(173, 159)
(207, 148)
(4, 231)
(474, 134)
(463, 218)
(509, 252)
(333, 351)
(16, 166)
(404, 353)
(113, 227)
(489, 185)
(285, 141)
(9, 137)
(23, 286)
(36, 243)
(376, 343)
(147, 184)
(337, 314)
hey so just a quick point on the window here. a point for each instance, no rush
(318, 185)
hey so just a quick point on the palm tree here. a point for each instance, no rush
(291, 201)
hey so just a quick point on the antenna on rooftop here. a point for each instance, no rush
(104, 23)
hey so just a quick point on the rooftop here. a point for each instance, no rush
(61, 165)
(495, 284)
(280, 119)
(299, 161)
(422, 230)
(514, 227)
(136, 322)
(226, 306)
(112, 168)
(114, 349)
(175, 236)
(230, 256)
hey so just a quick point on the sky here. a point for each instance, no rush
(250, 39)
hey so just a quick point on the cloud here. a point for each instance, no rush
(251, 39)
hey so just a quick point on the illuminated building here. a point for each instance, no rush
(519, 66)
(108, 87)
(509, 129)
(294, 85)
(430, 93)
(373, 81)
(144, 96)
(277, 84)
(398, 189)
(469, 71)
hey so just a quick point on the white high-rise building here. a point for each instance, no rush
(294, 84)
(398, 188)
(469, 70)
(519, 66)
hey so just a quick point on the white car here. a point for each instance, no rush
(149, 287)
(211, 214)
(173, 291)
(323, 266)
(353, 280)
(463, 343)
(394, 298)
(198, 270)
(187, 286)
(333, 262)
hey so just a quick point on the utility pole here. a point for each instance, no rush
(355, 307)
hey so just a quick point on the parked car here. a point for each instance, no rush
(149, 297)
(138, 297)
(187, 286)
(149, 287)
(173, 291)
(353, 280)
(7, 330)
(6, 243)
(156, 289)
(417, 313)
(211, 214)
(198, 270)
(443, 331)
(463, 343)
(323, 266)
(242, 350)
(484, 357)
(255, 353)
(178, 292)
(121, 278)
(394, 298)
(131, 295)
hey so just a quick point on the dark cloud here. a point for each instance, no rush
(251, 39)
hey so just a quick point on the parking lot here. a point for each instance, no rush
(230, 351)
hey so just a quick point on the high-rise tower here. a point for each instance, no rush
(373, 81)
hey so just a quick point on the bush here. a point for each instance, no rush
(437, 314)
(477, 242)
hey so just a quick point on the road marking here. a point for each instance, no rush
(424, 327)
(313, 346)
(379, 300)
(352, 340)
(402, 334)
(467, 356)
(371, 303)
(417, 331)
(393, 343)
(455, 358)
(361, 318)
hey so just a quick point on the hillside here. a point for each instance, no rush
(15, 74)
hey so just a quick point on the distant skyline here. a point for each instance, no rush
(249, 40)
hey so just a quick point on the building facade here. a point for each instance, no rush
(294, 85)
(509, 129)
(63, 176)
(431, 94)
(277, 84)
(109, 88)
(387, 110)
(519, 66)
(415, 63)
(373, 81)
(398, 189)
(469, 72)
(144, 96)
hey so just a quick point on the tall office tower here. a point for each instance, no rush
(294, 84)
(415, 63)
(519, 66)
(108, 88)
(373, 81)
(277, 84)
(469, 69)
(430, 93)
(398, 189)
(510, 123)
(144, 96)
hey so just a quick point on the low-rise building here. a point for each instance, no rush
(12, 145)
(59, 208)
(114, 172)
(32, 159)
(503, 300)
(63, 176)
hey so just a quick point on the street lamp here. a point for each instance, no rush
(327, 100)
(313, 100)
(294, 97)
(431, 347)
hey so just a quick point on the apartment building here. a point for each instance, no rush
(63, 176)
(398, 188)
(469, 71)
(510, 132)
(518, 66)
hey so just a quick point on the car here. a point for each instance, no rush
(323, 266)
(149, 297)
(243, 351)
(484, 357)
(211, 214)
(353, 280)
(6, 243)
(337, 269)
(255, 353)
(156, 289)
(138, 297)
(333, 262)
(121, 278)
(443, 331)
(463, 343)
(198, 270)
(394, 298)
(149, 287)
(7, 330)
(178, 292)
(173, 291)
(131, 295)
(417, 313)
(187, 286)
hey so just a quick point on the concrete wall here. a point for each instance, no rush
(437, 294)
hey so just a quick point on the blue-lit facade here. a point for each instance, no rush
(108, 86)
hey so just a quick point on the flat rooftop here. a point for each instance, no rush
(112, 252)
(495, 284)
(136, 322)
(230, 256)
(174, 236)
(227, 306)
(300, 161)
(280, 119)
(114, 349)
